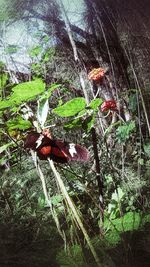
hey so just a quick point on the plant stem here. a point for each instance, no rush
(74, 211)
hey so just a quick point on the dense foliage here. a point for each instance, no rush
(83, 94)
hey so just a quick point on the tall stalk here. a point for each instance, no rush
(75, 214)
(47, 198)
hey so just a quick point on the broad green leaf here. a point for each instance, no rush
(23, 92)
(18, 123)
(95, 103)
(71, 107)
(129, 222)
(27, 91)
(6, 104)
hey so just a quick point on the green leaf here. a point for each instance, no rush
(45, 39)
(34, 52)
(129, 222)
(23, 92)
(3, 80)
(83, 113)
(111, 207)
(71, 107)
(4, 147)
(113, 238)
(49, 54)
(141, 161)
(3, 160)
(18, 123)
(95, 103)
(123, 132)
(36, 68)
(146, 219)
(88, 123)
(6, 104)
(76, 123)
(41, 201)
(27, 91)
(117, 195)
(133, 102)
(57, 199)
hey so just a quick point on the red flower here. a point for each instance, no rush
(96, 74)
(109, 105)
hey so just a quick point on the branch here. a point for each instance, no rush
(58, 21)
